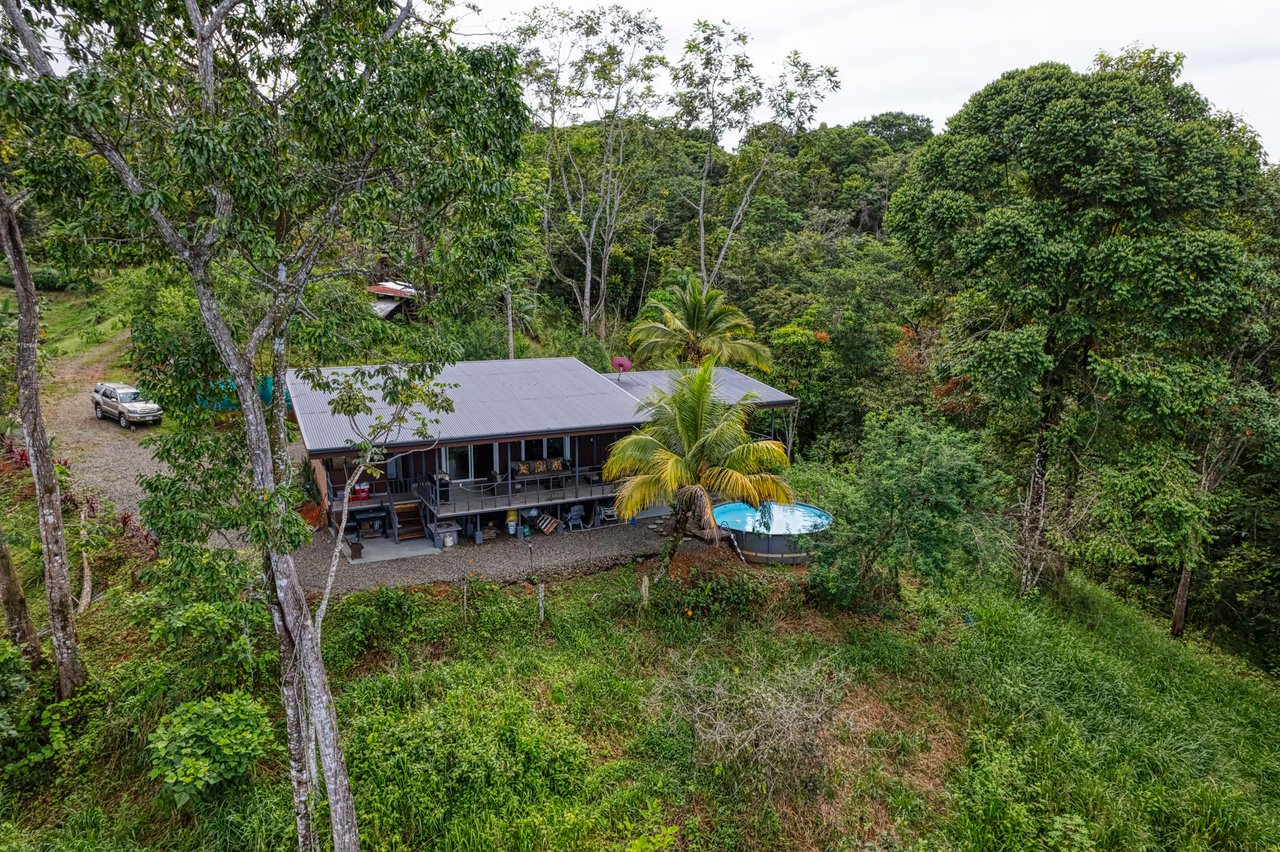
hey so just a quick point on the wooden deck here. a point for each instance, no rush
(477, 498)
(473, 498)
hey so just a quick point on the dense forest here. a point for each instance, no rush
(1035, 354)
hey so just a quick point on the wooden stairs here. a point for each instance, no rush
(407, 521)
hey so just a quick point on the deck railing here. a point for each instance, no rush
(380, 488)
(477, 496)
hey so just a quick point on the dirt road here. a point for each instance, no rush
(105, 459)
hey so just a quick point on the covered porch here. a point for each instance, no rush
(442, 494)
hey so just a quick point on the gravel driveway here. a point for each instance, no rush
(105, 459)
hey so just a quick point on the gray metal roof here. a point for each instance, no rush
(495, 400)
(731, 386)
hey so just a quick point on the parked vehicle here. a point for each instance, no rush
(124, 404)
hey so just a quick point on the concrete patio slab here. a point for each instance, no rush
(383, 549)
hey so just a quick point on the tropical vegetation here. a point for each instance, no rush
(1035, 359)
(693, 451)
(695, 324)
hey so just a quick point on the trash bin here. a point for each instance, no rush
(513, 518)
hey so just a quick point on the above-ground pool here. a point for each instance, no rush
(772, 532)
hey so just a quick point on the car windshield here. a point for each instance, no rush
(130, 396)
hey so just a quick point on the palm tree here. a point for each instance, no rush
(696, 324)
(694, 448)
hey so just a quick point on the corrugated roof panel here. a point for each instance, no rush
(509, 398)
(731, 386)
(492, 399)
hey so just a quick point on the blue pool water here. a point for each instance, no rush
(772, 518)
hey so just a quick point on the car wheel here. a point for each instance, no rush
(97, 411)
(124, 422)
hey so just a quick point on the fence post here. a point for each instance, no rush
(644, 590)
(542, 612)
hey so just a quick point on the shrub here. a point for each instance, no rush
(207, 743)
(757, 725)
(13, 684)
(382, 620)
(707, 593)
(920, 499)
(473, 770)
(45, 279)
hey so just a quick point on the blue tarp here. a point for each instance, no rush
(222, 396)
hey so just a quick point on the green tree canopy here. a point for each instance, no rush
(1079, 228)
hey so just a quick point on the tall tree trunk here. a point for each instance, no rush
(1061, 561)
(677, 536)
(1178, 622)
(298, 729)
(294, 611)
(511, 323)
(17, 618)
(86, 570)
(587, 280)
(1031, 529)
(53, 538)
(297, 725)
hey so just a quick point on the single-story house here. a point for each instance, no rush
(524, 435)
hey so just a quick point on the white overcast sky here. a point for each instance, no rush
(928, 56)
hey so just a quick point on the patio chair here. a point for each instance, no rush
(576, 518)
(608, 515)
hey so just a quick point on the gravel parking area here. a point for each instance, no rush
(505, 560)
(105, 459)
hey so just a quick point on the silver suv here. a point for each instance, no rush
(123, 404)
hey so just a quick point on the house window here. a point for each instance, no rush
(557, 447)
(393, 467)
(458, 462)
(534, 450)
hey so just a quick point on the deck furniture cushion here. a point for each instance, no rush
(539, 467)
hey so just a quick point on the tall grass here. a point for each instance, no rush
(1097, 730)
(973, 720)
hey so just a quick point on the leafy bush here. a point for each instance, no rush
(46, 279)
(707, 593)
(919, 497)
(207, 743)
(473, 770)
(383, 619)
(13, 684)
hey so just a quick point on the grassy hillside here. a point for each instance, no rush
(970, 721)
(72, 322)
